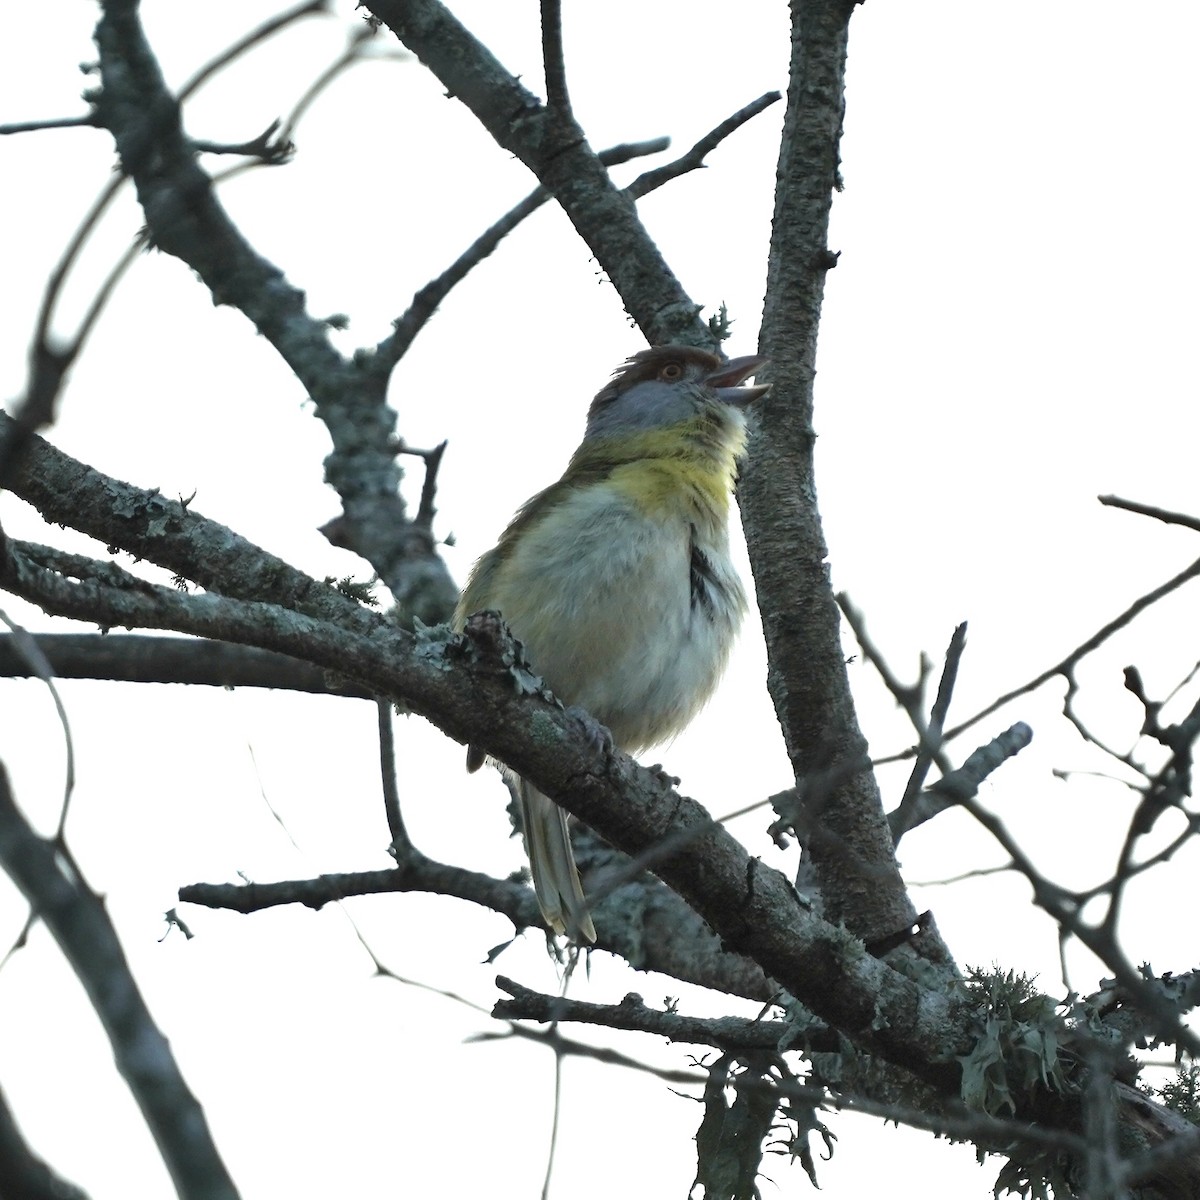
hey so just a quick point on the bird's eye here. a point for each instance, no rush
(671, 372)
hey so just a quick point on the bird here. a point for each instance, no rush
(618, 579)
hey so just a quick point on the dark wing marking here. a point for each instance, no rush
(703, 582)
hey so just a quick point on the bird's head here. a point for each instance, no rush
(673, 387)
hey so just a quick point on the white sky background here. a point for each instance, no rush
(1009, 332)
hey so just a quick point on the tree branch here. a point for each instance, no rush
(134, 658)
(726, 1033)
(23, 1175)
(77, 919)
(807, 675)
(557, 153)
(186, 220)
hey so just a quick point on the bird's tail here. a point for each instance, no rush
(552, 864)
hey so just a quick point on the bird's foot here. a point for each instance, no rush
(664, 776)
(599, 737)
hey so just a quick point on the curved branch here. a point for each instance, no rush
(77, 919)
(186, 220)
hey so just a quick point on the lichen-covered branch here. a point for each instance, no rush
(778, 496)
(186, 219)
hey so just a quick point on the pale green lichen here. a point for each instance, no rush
(1017, 1051)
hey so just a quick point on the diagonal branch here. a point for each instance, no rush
(1066, 666)
(76, 917)
(186, 220)
(556, 151)
(426, 301)
(468, 686)
(170, 533)
(693, 160)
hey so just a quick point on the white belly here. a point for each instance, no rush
(615, 617)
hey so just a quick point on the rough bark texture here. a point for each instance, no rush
(843, 822)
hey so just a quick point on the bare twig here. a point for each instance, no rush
(693, 160)
(48, 360)
(937, 717)
(910, 697)
(401, 842)
(726, 1033)
(553, 63)
(268, 29)
(426, 509)
(360, 36)
(86, 121)
(1150, 510)
(562, 161)
(270, 148)
(425, 302)
(138, 658)
(958, 784)
(1065, 667)
(414, 873)
(28, 650)
(80, 925)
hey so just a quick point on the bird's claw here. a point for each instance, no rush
(664, 776)
(599, 737)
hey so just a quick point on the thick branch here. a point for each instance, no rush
(467, 687)
(146, 524)
(186, 219)
(777, 493)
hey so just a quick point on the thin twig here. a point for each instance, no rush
(248, 41)
(426, 301)
(88, 120)
(694, 158)
(401, 843)
(1150, 510)
(48, 360)
(558, 102)
(79, 922)
(908, 697)
(271, 147)
(956, 1123)
(1065, 666)
(353, 53)
(26, 646)
(937, 718)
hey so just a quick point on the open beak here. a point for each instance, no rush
(728, 377)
